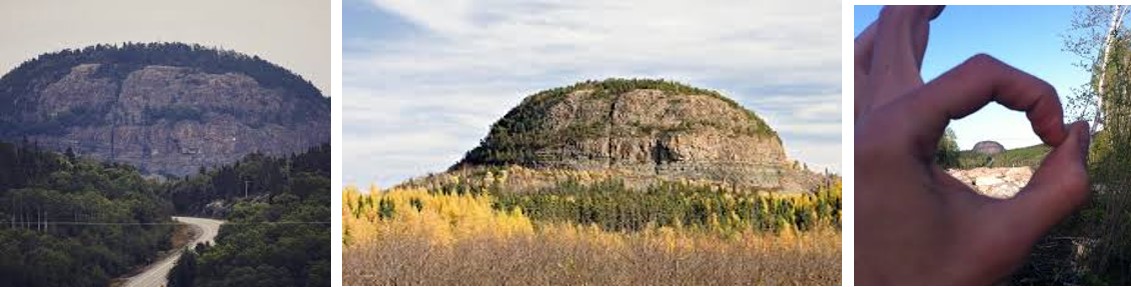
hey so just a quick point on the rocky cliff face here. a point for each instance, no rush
(988, 147)
(166, 118)
(644, 130)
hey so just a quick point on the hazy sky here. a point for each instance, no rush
(1034, 46)
(423, 81)
(294, 34)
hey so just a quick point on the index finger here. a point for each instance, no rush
(901, 37)
(862, 60)
(973, 84)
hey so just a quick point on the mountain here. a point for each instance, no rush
(988, 147)
(1030, 156)
(640, 131)
(167, 108)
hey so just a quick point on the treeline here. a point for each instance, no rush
(256, 175)
(613, 206)
(615, 86)
(277, 235)
(46, 199)
(948, 156)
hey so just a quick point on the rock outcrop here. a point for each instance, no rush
(643, 131)
(169, 112)
(988, 148)
(1001, 183)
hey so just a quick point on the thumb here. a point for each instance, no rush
(1057, 188)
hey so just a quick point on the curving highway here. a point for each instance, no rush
(155, 274)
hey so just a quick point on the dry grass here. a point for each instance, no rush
(563, 255)
(459, 240)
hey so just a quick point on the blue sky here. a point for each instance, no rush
(423, 81)
(1026, 37)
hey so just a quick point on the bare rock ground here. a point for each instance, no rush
(999, 182)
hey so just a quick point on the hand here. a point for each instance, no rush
(915, 224)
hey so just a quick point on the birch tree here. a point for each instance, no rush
(1091, 35)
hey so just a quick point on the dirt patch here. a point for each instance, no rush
(182, 235)
(999, 182)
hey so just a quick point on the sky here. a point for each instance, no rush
(425, 80)
(1026, 37)
(294, 34)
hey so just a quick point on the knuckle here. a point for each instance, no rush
(983, 60)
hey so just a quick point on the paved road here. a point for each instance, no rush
(155, 274)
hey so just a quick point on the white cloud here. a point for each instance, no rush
(477, 59)
(444, 16)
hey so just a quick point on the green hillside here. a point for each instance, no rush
(1026, 156)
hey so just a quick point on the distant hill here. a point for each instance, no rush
(167, 108)
(988, 147)
(1027, 156)
(641, 131)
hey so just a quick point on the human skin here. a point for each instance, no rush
(915, 224)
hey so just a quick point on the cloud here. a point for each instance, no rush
(439, 89)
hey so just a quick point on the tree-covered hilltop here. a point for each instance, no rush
(615, 86)
(646, 129)
(516, 138)
(43, 194)
(165, 108)
(117, 61)
(277, 235)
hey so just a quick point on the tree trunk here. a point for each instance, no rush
(1116, 21)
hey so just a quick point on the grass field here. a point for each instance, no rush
(464, 240)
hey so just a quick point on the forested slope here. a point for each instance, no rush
(277, 235)
(52, 205)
